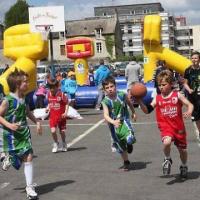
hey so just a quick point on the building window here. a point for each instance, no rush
(130, 43)
(62, 35)
(62, 50)
(99, 47)
(129, 31)
(98, 32)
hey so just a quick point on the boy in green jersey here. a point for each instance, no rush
(15, 136)
(116, 114)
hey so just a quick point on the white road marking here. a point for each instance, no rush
(85, 133)
(136, 123)
(3, 185)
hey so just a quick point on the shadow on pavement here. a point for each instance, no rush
(137, 165)
(46, 188)
(76, 149)
(178, 179)
(140, 165)
(43, 189)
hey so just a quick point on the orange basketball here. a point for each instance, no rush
(138, 90)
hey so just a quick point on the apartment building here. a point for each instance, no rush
(131, 19)
(187, 39)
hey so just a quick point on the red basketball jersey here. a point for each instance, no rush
(57, 104)
(169, 113)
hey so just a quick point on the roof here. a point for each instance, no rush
(87, 26)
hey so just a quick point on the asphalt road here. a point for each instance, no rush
(90, 171)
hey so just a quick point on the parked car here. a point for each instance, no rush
(119, 68)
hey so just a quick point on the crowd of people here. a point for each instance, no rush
(116, 108)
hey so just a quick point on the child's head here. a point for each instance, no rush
(195, 57)
(64, 75)
(109, 86)
(17, 80)
(165, 81)
(53, 86)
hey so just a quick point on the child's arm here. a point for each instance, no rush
(147, 108)
(116, 122)
(187, 87)
(33, 119)
(187, 103)
(3, 109)
(134, 117)
(65, 100)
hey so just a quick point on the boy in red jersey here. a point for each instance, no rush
(169, 118)
(58, 108)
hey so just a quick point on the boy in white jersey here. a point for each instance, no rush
(169, 118)
(15, 134)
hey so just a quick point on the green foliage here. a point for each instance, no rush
(109, 44)
(129, 58)
(17, 14)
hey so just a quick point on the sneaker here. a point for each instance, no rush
(183, 171)
(64, 147)
(55, 147)
(167, 166)
(97, 108)
(30, 192)
(6, 162)
(126, 166)
(113, 148)
(129, 148)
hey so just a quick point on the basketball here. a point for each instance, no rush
(138, 90)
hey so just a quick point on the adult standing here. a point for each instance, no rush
(132, 74)
(101, 74)
(192, 85)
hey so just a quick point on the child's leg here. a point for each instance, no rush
(183, 156)
(55, 139)
(54, 135)
(63, 137)
(167, 160)
(28, 169)
(183, 167)
(124, 156)
(167, 146)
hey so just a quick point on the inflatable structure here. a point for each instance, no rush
(154, 51)
(80, 49)
(25, 48)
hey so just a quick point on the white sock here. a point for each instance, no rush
(28, 172)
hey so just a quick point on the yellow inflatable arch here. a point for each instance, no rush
(25, 48)
(153, 50)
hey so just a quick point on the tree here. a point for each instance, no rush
(17, 14)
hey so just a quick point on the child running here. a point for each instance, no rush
(15, 134)
(116, 114)
(58, 108)
(169, 118)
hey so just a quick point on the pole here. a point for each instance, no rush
(51, 54)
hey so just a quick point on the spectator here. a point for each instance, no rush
(40, 94)
(6, 67)
(71, 88)
(192, 85)
(91, 77)
(101, 74)
(132, 74)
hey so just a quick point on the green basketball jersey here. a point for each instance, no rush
(15, 141)
(118, 110)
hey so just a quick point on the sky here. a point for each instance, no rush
(78, 9)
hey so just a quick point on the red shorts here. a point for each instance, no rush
(178, 137)
(58, 122)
